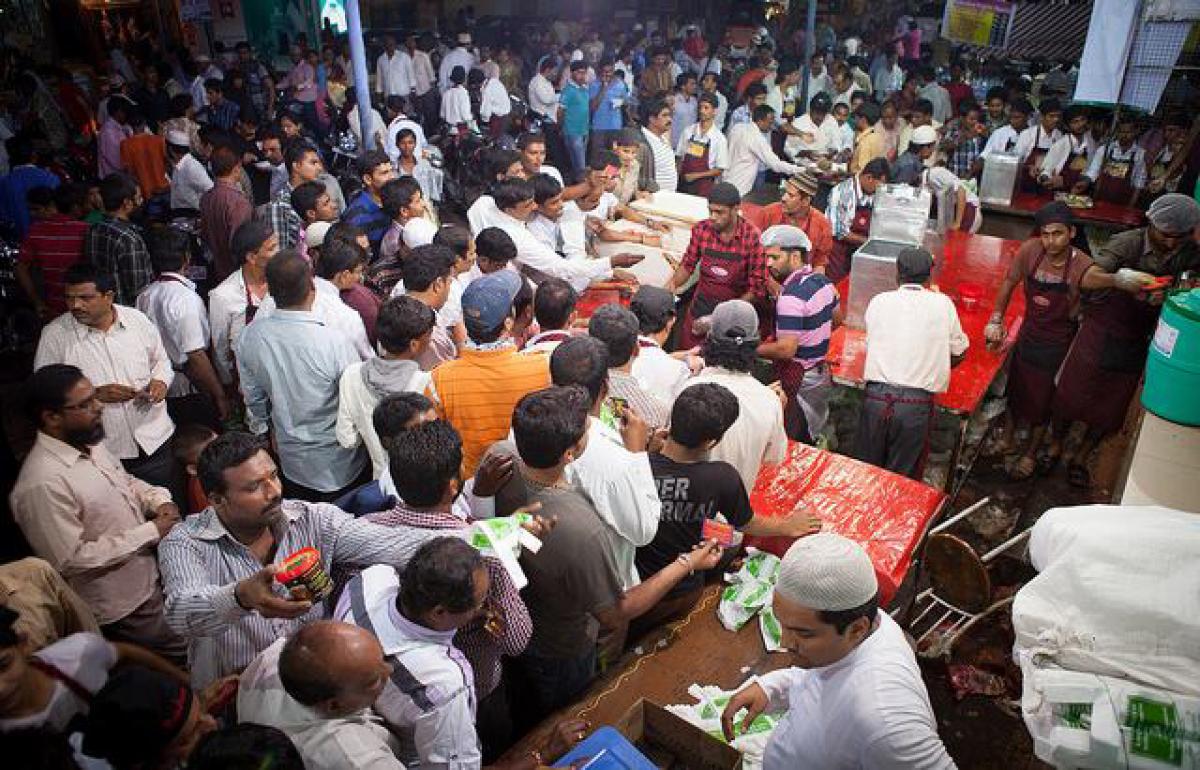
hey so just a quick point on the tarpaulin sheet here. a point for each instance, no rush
(885, 512)
(961, 258)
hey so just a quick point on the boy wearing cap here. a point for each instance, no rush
(807, 311)
(795, 208)
(661, 373)
(911, 164)
(913, 339)
(476, 392)
(855, 697)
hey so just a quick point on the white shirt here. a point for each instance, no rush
(494, 100)
(430, 700)
(552, 171)
(459, 57)
(456, 107)
(87, 658)
(911, 334)
(939, 97)
(329, 309)
(172, 303)
(423, 74)
(534, 255)
(568, 241)
(226, 319)
(542, 97)
(359, 740)
(450, 314)
(684, 113)
(376, 125)
(819, 84)
(756, 437)
(1065, 150)
(747, 149)
(1003, 140)
(1112, 151)
(826, 137)
(356, 406)
(130, 353)
(868, 711)
(418, 231)
(395, 127)
(665, 172)
(189, 181)
(483, 214)
(394, 74)
(1036, 138)
(621, 487)
(718, 147)
(659, 372)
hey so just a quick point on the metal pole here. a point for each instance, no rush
(362, 82)
(810, 47)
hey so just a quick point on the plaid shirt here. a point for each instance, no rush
(115, 246)
(481, 647)
(745, 241)
(284, 220)
(961, 150)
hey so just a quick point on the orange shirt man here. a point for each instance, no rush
(795, 208)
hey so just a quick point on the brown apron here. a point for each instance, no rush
(1115, 183)
(839, 258)
(695, 160)
(1077, 163)
(1045, 337)
(723, 276)
(1033, 165)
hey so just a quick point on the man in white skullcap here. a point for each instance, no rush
(807, 310)
(1102, 371)
(854, 698)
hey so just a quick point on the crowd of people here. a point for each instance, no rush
(244, 358)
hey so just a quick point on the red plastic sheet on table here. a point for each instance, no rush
(981, 260)
(602, 294)
(1102, 212)
(888, 514)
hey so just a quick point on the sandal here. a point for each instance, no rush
(1078, 476)
(1022, 469)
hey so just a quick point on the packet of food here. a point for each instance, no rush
(768, 626)
(503, 538)
(739, 602)
(761, 566)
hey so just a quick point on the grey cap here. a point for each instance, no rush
(1174, 213)
(915, 262)
(653, 305)
(785, 237)
(734, 319)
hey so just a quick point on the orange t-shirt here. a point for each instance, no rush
(145, 156)
(815, 225)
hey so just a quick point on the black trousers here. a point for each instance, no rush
(159, 469)
(297, 491)
(893, 428)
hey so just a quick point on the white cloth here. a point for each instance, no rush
(665, 172)
(459, 57)
(747, 149)
(826, 137)
(494, 101)
(329, 308)
(394, 74)
(941, 180)
(456, 107)
(172, 303)
(130, 353)
(359, 740)
(756, 437)
(552, 171)
(718, 145)
(868, 711)
(659, 372)
(356, 405)
(423, 75)
(534, 255)
(1065, 150)
(396, 126)
(430, 700)
(543, 99)
(84, 657)
(189, 181)
(911, 334)
(226, 319)
(418, 231)
(819, 84)
(1102, 66)
(450, 314)
(376, 126)
(621, 487)
(1036, 138)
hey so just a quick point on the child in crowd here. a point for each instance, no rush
(190, 441)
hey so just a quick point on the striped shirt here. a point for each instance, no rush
(649, 407)
(844, 200)
(201, 564)
(52, 245)
(476, 393)
(805, 311)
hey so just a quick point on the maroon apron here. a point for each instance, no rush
(1102, 371)
(1033, 165)
(1077, 163)
(1045, 338)
(839, 258)
(1116, 181)
(723, 276)
(695, 160)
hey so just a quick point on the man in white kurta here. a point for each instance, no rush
(854, 698)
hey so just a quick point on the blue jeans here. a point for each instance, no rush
(577, 149)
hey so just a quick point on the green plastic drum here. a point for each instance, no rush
(1173, 368)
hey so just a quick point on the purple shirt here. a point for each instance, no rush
(805, 310)
(112, 134)
(304, 80)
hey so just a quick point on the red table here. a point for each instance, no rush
(1103, 214)
(888, 514)
(980, 259)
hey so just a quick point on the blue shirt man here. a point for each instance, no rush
(608, 115)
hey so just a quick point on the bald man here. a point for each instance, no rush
(317, 687)
(854, 698)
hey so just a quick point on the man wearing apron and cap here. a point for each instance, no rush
(1070, 156)
(854, 697)
(795, 208)
(1118, 172)
(913, 338)
(807, 310)
(731, 260)
(1035, 141)
(1102, 370)
(703, 150)
(850, 205)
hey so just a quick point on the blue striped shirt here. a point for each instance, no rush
(805, 311)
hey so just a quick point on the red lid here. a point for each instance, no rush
(297, 564)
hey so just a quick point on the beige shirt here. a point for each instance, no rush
(88, 517)
(48, 608)
(756, 437)
(911, 334)
(130, 353)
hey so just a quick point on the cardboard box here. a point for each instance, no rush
(669, 742)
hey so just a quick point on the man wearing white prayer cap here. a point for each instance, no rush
(1103, 369)
(854, 698)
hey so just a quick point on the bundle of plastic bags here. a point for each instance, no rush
(503, 538)
(706, 712)
(749, 593)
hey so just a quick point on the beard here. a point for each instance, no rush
(86, 436)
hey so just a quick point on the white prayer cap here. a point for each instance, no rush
(314, 234)
(178, 138)
(785, 237)
(827, 572)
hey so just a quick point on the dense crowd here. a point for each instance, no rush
(265, 324)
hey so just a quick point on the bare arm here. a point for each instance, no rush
(781, 349)
(641, 598)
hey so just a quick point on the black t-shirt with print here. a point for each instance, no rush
(690, 493)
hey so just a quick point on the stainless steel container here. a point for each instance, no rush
(999, 179)
(872, 271)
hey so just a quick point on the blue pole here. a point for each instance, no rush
(810, 47)
(362, 82)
